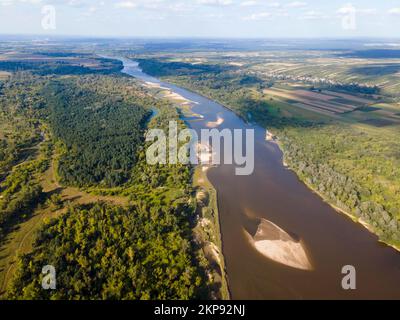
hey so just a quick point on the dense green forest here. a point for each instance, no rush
(61, 67)
(354, 167)
(101, 130)
(153, 66)
(105, 252)
(144, 251)
(91, 130)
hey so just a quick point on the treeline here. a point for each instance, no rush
(20, 105)
(343, 165)
(20, 194)
(101, 131)
(105, 252)
(20, 138)
(351, 88)
(62, 67)
(161, 68)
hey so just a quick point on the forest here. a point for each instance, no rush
(89, 130)
(153, 66)
(103, 252)
(100, 131)
(61, 67)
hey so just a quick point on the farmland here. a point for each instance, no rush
(327, 103)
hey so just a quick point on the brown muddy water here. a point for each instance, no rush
(330, 239)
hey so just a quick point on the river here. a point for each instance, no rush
(330, 239)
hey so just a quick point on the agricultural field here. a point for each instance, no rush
(327, 103)
(334, 104)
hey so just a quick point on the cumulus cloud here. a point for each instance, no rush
(346, 9)
(349, 9)
(274, 4)
(394, 11)
(296, 4)
(11, 2)
(313, 15)
(368, 11)
(252, 3)
(126, 5)
(215, 2)
(249, 3)
(258, 16)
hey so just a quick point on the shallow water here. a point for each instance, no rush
(274, 193)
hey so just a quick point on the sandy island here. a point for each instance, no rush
(276, 244)
(214, 124)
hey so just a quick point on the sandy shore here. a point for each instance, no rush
(214, 124)
(169, 94)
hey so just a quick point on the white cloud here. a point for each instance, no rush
(368, 11)
(215, 2)
(180, 7)
(126, 5)
(394, 11)
(274, 4)
(350, 9)
(11, 2)
(258, 16)
(313, 15)
(296, 4)
(249, 3)
(6, 2)
(346, 9)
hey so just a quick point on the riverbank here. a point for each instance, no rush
(208, 229)
(285, 163)
(277, 195)
(355, 219)
(327, 201)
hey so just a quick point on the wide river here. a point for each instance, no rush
(273, 192)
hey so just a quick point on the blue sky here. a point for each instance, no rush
(204, 18)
